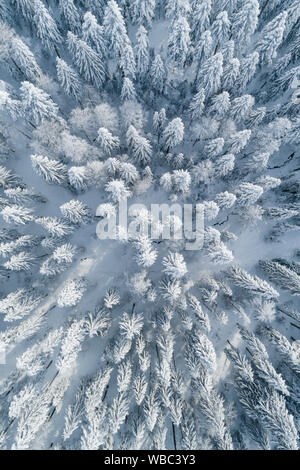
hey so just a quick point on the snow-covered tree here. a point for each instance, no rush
(115, 29)
(107, 141)
(270, 38)
(139, 146)
(174, 266)
(141, 52)
(37, 105)
(128, 92)
(179, 41)
(245, 22)
(75, 212)
(210, 74)
(142, 11)
(173, 133)
(200, 20)
(87, 60)
(70, 14)
(52, 171)
(158, 74)
(117, 190)
(252, 283)
(68, 78)
(177, 8)
(46, 28)
(25, 59)
(220, 28)
(71, 293)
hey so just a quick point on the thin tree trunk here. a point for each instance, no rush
(174, 436)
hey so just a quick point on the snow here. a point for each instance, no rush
(200, 149)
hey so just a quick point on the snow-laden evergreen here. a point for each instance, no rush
(178, 327)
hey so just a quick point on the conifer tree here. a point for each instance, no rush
(70, 15)
(87, 60)
(25, 59)
(37, 105)
(200, 20)
(142, 11)
(158, 74)
(141, 51)
(68, 78)
(245, 22)
(173, 133)
(93, 34)
(46, 28)
(270, 38)
(210, 74)
(179, 41)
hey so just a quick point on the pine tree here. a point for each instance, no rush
(37, 105)
(270, 38)
(173, 133)
(93, 34)
(87, 60)
(56, 227)
(210, 74)
(179, 41)
(19, 304)
(140, 147)
(68, 78)
(78, 177)
(220, 104)
(282, 276)
(70, 15)
(46, 28)
(141, 51)
(203, 47)
(200, 20)
(158, 74)
(16, 214)
(26, 7)
(25, 59)
(75, 212)
(34, 360)
(241, 107)
(142, 11)
(279, 422)
(127, 61)
(174, 266)
(107, 141)
(114, 28)
(248, 67)
(128, 92)
(69, 296)
(231, 74)
(245, 22)
(23, 261)
(248, 193)
(72, 343)
(220, 28)
(12, 107)
(252, 283)
(52, 171)
(117, 190)
(177, 8)
(239, 140)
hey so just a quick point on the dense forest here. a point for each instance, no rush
(135, 341)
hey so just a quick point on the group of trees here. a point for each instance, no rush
(195, 350)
